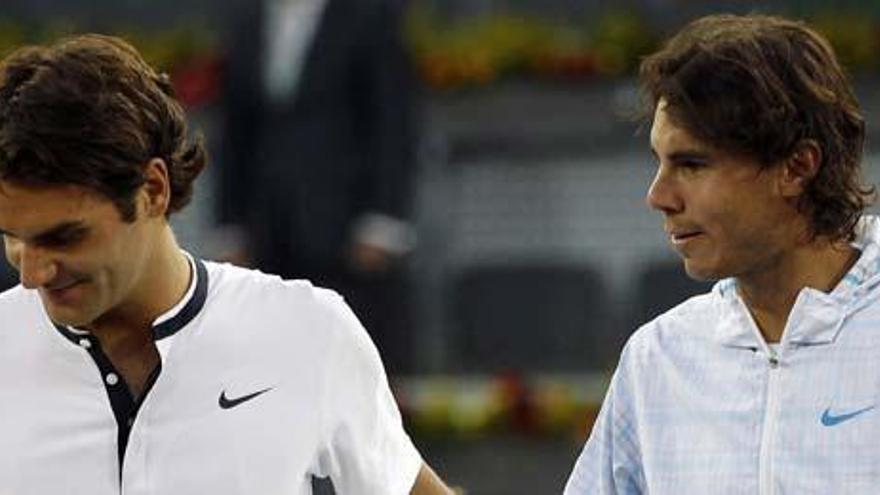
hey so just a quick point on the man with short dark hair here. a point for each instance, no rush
(769, 383)
(127, 365)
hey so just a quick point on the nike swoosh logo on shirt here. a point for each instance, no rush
(227, 403)
(829, 419)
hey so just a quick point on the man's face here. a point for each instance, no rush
(722, 213)
(71, 245)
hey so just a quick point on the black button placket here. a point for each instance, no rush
(125, 406)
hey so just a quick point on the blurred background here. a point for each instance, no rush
(468, 173)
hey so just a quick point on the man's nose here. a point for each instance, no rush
(35, 268)
(663, 194)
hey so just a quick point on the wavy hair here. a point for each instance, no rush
(89, 111)
(762, 85)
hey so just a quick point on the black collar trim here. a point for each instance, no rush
(75, 337)
(192, 308)
(171, 326)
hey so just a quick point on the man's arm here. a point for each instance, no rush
(611, 461)
(428, 483)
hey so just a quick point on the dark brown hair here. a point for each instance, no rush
(762, 85)
(90, 111)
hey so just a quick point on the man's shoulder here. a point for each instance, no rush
(17, 299)
(20, 306)
(693, 308)
(279, 312)
(238, 290)
(228, 280)
(10, 292)
(691, 319)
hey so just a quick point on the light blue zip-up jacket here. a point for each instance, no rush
(700, 404)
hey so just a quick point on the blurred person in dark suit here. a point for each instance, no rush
(319, 152)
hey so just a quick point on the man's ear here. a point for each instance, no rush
(800, 168)
(156, 190)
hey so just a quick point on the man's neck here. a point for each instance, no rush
(770, 294)
(163, 284)
(125, 333)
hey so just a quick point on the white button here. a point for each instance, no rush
(85, 344)
(111, 379)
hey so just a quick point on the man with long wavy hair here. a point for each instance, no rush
(769, 383)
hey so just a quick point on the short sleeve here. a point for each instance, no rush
(610, 463)
(365, 449)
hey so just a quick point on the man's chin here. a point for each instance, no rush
(68, 317)
(701, 273)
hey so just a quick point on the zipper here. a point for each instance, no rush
(768, 432)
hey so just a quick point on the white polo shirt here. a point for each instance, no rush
(701, 404)
(262, 384)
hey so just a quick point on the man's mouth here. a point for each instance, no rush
(61, 292)
(59, 286)
(682, 236)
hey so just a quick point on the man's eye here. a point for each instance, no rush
(693, 164)
(65, 240)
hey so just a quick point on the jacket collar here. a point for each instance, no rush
(816, 317)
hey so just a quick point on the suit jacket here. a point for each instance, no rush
(298, 173)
